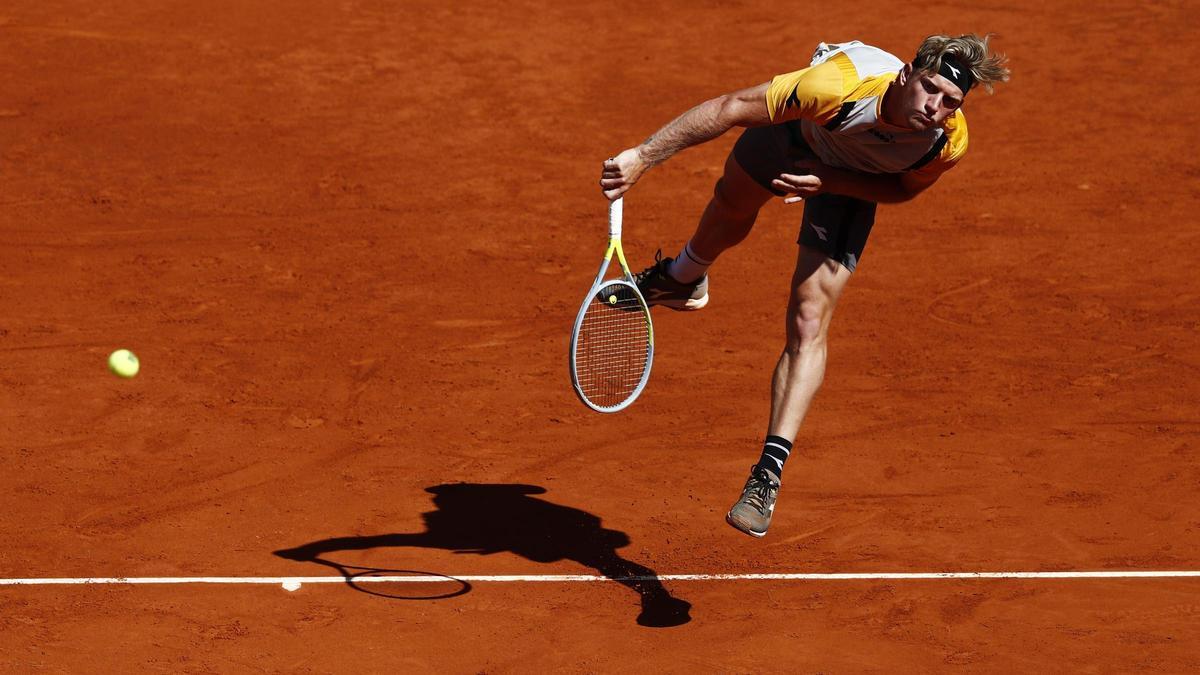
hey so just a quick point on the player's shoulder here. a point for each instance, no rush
(947, 150)
(838, 73)
(865, 60)
(828, 78)
(955, 128)
(813, 93)
(864, 70)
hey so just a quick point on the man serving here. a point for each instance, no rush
(858, 127)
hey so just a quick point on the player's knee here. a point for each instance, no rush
(807, 322)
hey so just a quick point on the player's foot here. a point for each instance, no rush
(663, 611)
(752, 513)
(660, 289)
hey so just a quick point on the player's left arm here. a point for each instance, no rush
(811, 177)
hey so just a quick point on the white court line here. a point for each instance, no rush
(516, 578)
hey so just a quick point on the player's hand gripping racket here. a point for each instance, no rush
(612, 346)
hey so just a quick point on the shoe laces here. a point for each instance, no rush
(760, 490)
(657, 267)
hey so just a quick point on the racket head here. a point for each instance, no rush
(612, 346)
(368, 581)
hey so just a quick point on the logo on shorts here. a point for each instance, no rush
(821, 232)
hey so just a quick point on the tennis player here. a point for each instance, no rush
(857, 128)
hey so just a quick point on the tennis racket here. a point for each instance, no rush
(612, 345)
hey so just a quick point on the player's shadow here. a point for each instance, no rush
(484, 519)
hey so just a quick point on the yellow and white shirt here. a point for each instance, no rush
(836, 103)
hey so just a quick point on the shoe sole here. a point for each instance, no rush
(689, 305)
(757, 535)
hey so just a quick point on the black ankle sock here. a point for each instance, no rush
(775, 452)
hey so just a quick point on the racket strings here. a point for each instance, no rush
(612, 352)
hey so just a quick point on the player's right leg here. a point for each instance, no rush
(731, 212)
(681, 283)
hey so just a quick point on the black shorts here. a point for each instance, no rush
(835, 224)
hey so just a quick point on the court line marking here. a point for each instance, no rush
(515, 578)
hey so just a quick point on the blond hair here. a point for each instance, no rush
(970, 50)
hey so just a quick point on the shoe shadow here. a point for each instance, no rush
(495, 518)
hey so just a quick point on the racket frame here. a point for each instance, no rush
(615, 218)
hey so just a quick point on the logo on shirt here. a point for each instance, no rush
(882, 135)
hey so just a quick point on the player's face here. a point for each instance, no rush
(926, 100)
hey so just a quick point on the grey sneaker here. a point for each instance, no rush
(752, 513)
(660, 289)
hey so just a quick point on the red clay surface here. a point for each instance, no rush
(348, 241)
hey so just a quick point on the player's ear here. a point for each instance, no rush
(905, 73)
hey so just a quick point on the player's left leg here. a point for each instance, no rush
(817, 284)
(832, 238)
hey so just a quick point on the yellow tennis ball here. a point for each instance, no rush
(612, 299)
(123, 363)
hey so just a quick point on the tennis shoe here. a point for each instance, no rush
(752, 512)
(659, 288)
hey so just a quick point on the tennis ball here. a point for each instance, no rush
(123, 363)
(612, 299)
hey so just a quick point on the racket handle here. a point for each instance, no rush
(615, 213)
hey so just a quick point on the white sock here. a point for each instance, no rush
(687, 266)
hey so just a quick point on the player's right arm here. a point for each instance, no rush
(743, 108)
(812, 93)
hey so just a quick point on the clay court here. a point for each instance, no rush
(348, 241)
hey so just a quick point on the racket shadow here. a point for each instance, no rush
(494, 518)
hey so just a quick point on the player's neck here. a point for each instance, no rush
(885, 107)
